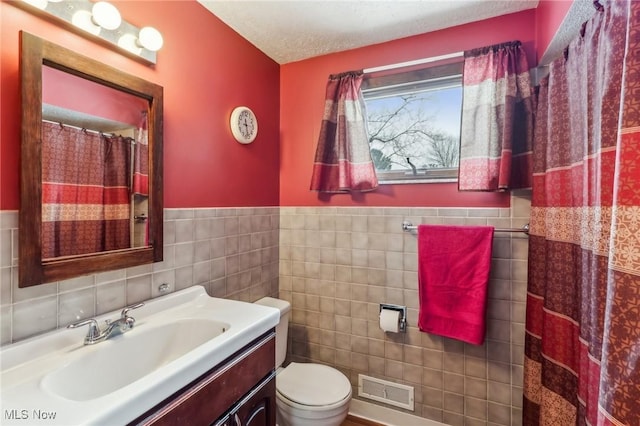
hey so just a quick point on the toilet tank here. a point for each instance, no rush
(282, 329)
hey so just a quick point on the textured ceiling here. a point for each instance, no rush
(292, 30)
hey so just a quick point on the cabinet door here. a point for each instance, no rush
(225, 421)
(218, 391)
(258, 408)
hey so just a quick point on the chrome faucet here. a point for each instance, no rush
(113, 328)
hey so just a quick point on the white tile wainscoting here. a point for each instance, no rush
(335, 265)
(232, 252)
(338, 264)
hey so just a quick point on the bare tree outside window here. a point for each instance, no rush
(414, 132)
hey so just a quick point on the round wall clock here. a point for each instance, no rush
(244, 125)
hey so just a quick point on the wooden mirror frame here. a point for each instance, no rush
(33, 268)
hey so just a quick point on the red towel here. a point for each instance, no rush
(453, 272)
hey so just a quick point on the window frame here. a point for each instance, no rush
(399, 83)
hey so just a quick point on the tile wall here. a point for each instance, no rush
(338, 264)
(232, 252)
(335, 266)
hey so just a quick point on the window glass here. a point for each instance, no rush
(413, 123)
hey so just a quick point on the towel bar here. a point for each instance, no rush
(408, 226)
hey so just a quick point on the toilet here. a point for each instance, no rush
(307, 394)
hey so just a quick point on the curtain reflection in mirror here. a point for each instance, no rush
(85, 209)
(140, 184)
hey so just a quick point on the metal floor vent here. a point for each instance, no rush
(385, 391)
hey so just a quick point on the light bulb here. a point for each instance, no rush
(106, 15)
(150, 39)
(82, 19)
(129, 42)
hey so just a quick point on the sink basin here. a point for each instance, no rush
(176, 339)
(116, 363)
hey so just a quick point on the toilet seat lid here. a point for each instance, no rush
(312, 384)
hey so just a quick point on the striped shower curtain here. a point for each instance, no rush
(497, 119)
(582, 343)
(84, 209)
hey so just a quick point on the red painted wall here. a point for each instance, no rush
(68, 91)
(549, 16)
(206, 70)
(302, 86)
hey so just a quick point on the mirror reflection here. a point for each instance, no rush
(91, 166)
(103, 205)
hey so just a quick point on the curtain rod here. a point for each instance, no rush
(86, 130)
(412, 63)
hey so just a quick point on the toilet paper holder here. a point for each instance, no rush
(403, 314)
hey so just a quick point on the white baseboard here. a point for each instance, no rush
(387, 416)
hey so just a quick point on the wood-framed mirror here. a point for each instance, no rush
(99, 206)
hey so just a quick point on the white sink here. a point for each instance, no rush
(55, 379)
(128, 357)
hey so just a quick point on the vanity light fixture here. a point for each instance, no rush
(106, 15)
(148, 38)
(100, 21)
(129, 42)
(83, 19)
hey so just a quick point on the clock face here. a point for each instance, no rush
(244, 125)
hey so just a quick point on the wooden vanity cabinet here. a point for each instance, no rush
(241, 391)
(255, 409)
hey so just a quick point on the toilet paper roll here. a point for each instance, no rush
(390, 320)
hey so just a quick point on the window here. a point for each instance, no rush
(413, 121)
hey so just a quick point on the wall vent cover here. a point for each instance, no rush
(387, 392)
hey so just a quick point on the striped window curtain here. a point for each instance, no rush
(84, 209)
(497, 119)
(582, 340)
(343, 160)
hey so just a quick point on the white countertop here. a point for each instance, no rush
(25, 401)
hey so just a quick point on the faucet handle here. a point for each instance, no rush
(94, 331)
(126, 310)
